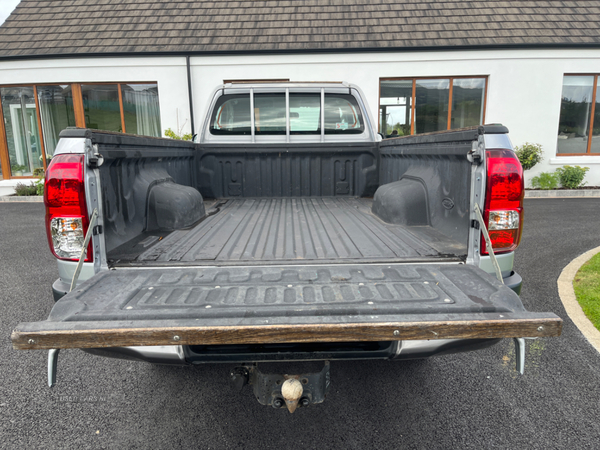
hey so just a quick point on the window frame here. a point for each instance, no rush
(78, 110)
(592, 113)
(414, 95)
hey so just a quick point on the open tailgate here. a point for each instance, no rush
(284, 304)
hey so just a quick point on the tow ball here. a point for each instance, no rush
(283, 391)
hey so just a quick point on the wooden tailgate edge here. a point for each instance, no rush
(548, 326)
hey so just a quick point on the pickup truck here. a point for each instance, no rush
(288, 231)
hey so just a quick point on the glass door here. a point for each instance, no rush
(22, 133)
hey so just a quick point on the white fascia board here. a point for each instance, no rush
(91, 62)
(382, 57)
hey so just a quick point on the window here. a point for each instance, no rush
(141, 111)
(395, 107)
(269, 114)
(127, 108)
(305, 114)
(57, 113)
(231, 114)
(23, 142)
(468, 97)
(579, 124)
(342, 115)
(418, 105)
(32, 117)
(101, 107)
(431, 105)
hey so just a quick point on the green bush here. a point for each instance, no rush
(571, 177)
(24, 190)
(529, 154)
(185, 137)
(39, 186)
(545, 180)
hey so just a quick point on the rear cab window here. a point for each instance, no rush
(305, 113)
(231, 115)
(286, 113)
(342, 115)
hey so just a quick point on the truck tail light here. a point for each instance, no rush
(503, 211)
(66, 213)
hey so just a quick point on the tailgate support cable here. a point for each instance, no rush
(88, 236)
(519, 342)
(53, 353)
(488, 243)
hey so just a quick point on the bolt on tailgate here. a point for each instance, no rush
(275, 304)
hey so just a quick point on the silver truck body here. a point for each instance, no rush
(175, 354)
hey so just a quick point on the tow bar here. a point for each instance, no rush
(279, 391)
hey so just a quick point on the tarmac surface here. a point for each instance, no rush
(470, 400)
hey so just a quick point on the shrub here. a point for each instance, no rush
(571, 177)
(39, 186)
(185, 137)
(529, 154)
(23, 190)
(545, 180)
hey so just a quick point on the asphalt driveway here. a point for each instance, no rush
(472, 400)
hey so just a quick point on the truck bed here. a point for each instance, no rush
(289, 230)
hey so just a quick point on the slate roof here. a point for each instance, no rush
(74, 27)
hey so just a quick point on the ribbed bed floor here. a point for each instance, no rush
(290, 229)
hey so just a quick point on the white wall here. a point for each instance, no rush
(524, 87)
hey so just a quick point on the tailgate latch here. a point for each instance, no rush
(475, 155)
(93, 156)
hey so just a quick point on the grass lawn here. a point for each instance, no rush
(587, 289)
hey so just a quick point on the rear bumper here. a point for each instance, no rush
(160, 354)
(395, 350)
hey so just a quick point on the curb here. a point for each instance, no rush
(572, 193)
(567, 296)
(22, 199)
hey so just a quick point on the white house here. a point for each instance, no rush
(144, 67)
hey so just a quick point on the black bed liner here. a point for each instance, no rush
(278, 304)
(293, 230)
